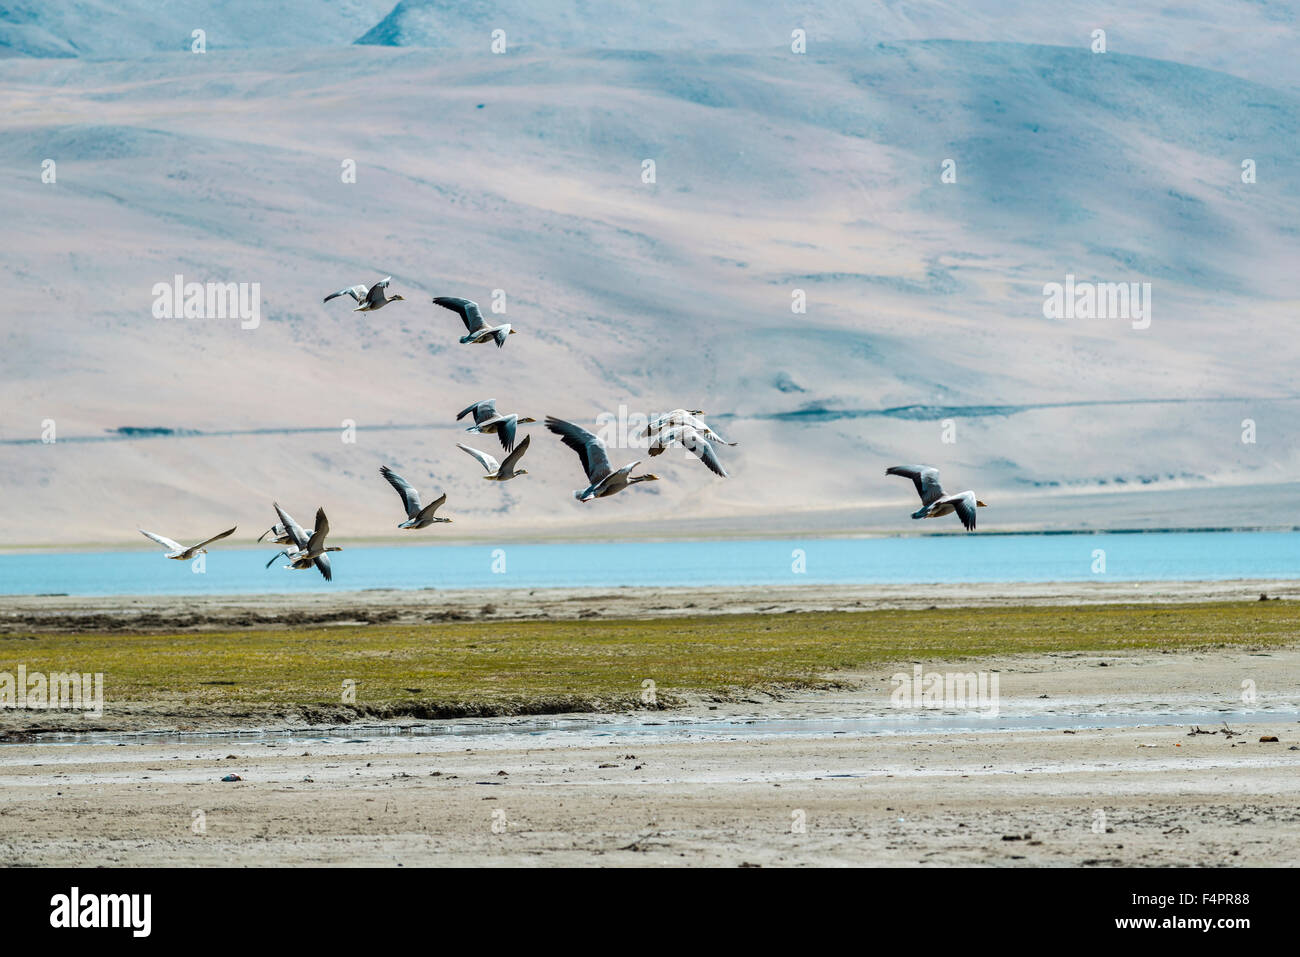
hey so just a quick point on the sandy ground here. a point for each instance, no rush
(186, 613)
(650, 789)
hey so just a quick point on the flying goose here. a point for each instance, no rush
(693, 440)
(675, 417)
(179, 551)
(595, 462)
(369, 298)
(678, 417)
(934, 502)
(488, 420)
(506, 470)
(477, 328)
(416, 516)
(307, 550)
(280, 535)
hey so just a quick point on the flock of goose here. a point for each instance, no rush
(683, 427)
(306, 548)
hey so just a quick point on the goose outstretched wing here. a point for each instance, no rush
(595, 459)
(485, 460)
(467, 309)
(164, 541)
(410, 495)
(925, 478)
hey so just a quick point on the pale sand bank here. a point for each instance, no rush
(391, 606)
(659, 797)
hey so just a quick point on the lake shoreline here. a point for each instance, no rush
(988, 562)
(186, 613)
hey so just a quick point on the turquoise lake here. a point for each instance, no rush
(1191, 556)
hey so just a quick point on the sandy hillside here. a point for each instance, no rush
(774, 173)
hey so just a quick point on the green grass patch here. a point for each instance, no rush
(500, 667)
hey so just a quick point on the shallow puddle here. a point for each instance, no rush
(739, 727)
